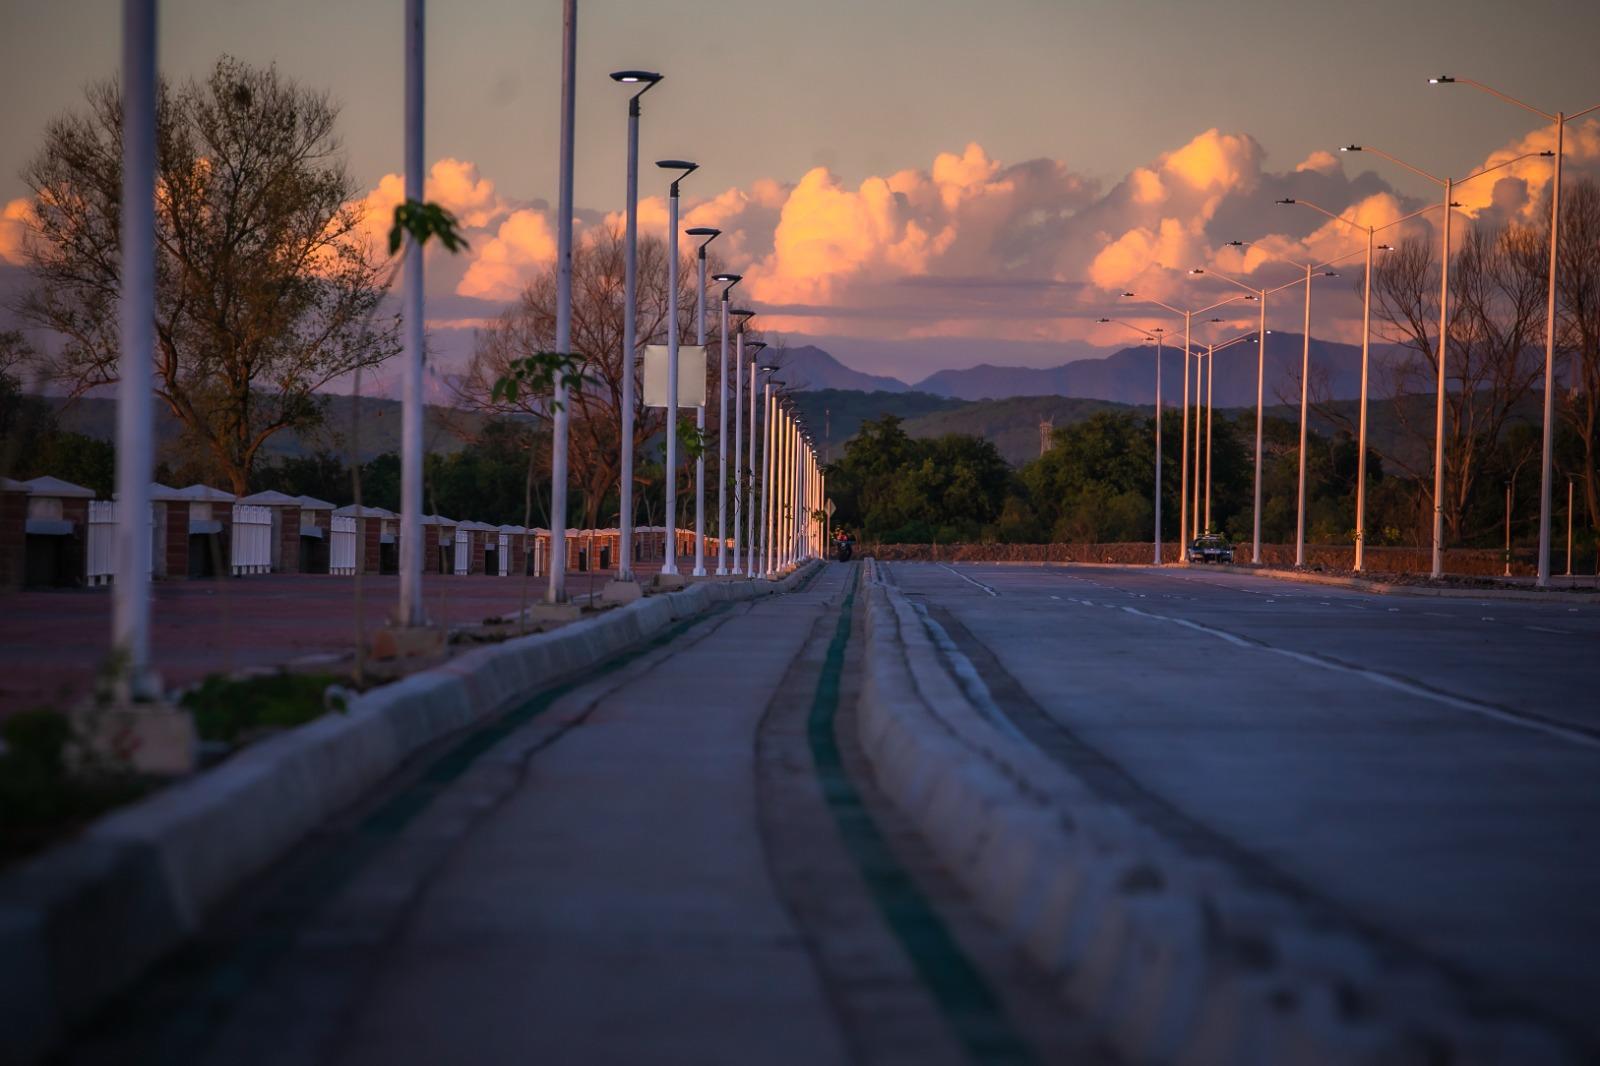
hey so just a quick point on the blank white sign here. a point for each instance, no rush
(691, 375)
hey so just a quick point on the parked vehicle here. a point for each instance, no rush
(1210, 548)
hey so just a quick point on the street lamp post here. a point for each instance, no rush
(1158, 334)
(630, 312)
(669, 562)
(130, 633)
(1183, 492)
(768, 436)
(558, 401)
(411, 548)
(727, 281)
(710, 234)
(1448, 185)
(1559, 120)
(748, 470)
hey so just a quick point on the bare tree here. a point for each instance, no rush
(528, 327)
(1578, 286)
(266, 289)
(1495, 326)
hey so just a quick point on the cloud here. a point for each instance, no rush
(14, 221)
(501, 266)
(1515, 190)
(454, 184)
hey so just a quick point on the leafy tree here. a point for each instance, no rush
(266, 289)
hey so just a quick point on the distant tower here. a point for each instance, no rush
(1046, 426)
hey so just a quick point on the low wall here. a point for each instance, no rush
(1479, 562)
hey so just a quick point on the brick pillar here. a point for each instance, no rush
(76, 511)
(177, 540)
(478, 544)
(368, 530)
(289, 540)
(13, 538)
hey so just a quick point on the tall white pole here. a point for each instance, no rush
(722, 452)
(1305, 387)
(558, 434)
(1160, 336)
(669, 562)
(1547, 457)
(1569, 527)
(1183, 466)
(752, 509)
(630, 347)
(136, 325)
(1438, 413)
(1211, 373)
(700, 425)
(1194, 521)
(1261, 381)
(1361, 443)
(769, 433)
(738, 444)
(411, 546)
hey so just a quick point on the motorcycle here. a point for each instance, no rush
(842, 550)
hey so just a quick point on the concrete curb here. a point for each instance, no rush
(1170, 953)
(82, 921)
(1576, 597)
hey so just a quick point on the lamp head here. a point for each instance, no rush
(1234, 244)
(1330, 273)
(678, 164)
(1197, 270)
(740, 312)
(703, 231)
(1102, 321)
(635, 77)
(1285, 200)
(1125, 294)
(726, 279)
(755, 346)
(1548, 153)
(1443, 79)
(1384, 248)
(1351, 148)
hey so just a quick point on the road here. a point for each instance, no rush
(1423, 770)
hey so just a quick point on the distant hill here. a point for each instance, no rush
(835, 415)
(1128, 375)
(808, 368)
(1012, 424)
(443, 427)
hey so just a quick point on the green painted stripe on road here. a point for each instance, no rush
(964, 997)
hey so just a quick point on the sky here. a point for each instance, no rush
(917, 184)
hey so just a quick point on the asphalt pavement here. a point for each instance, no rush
(1424, 770)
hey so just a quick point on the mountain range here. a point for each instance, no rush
(1125, 376)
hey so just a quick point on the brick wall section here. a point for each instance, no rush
(289, 540)
(177, 539)
(13, 538)
(479, 543)
(368, 530)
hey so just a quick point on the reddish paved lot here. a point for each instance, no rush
(52, 641)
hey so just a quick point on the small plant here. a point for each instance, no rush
(234, 709)
(538, 375)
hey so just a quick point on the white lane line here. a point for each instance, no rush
(1487, 710)
(1547, 629)
(969, 580)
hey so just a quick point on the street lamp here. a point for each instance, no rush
(669, 562)
(647, 80)
(558, 394)
(1183, 493)
(748, 470)
(1366, 344)
(1448, 185)
(710, 233)
(727, 281)
(1158, 334)
(1559, 120)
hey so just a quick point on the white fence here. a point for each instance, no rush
(251, 549)
(463, 551)
(342, 545)
(100, 549)
(504, 554)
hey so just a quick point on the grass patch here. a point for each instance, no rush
(234, 710)
(40, 800)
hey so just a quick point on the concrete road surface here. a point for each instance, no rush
(1425, 770)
